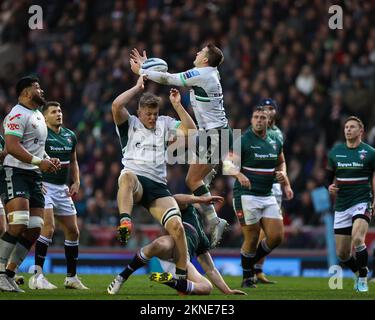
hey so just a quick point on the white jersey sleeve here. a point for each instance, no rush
(30, 126)
(15, 123)
(183, 79)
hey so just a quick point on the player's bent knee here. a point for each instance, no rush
(277, 240)
(19, 217)
(127, 180)
(343, 255)
(171, 219)
(358, 241)
(35, 222)
(48, 231)
(203, 288)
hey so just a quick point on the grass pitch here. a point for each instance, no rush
(140, 288)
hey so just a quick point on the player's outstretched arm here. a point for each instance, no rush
(119, 111)
(181, 79)
(205, 260)
(187, 122)
(185, 199)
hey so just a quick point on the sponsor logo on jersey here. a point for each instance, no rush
(18, 116)
(341, 156)
(190, 74)
(36, 140)
(13, 126)
(255, 147)
(352, 164)
(362, 154)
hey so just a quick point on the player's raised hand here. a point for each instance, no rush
(141, 82)
(174, 96)
(135, 66)
(136, 56)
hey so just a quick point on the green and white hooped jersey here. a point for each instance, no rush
(206, 94)
(145, 150)
(60, 145)
(30, 126)
(259, 158)
(353, 169)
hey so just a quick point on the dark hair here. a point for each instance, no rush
(25, 82)
(214, 55)
(149, 100)
(259, 108)
(50, 104)
(354, 118)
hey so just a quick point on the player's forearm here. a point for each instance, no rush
(163, 77)
(19, 152)
(282, 167)
(184, 199)
(74, 169)
(216, 278)
(123, 99)
(186, 121)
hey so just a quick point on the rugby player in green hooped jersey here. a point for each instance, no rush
(350, 177)
(61, 143)
(271, 106)
(262, 159)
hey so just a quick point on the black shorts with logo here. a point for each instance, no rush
(21, 183)
(152, 190)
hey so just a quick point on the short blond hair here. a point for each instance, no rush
(354, 118)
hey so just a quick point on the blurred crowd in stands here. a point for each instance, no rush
(281, 49)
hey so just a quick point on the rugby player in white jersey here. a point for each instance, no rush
(206, 98)
(143, 180)
(25, 137)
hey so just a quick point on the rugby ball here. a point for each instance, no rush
(155, 64)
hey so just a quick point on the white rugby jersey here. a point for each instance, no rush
(30, 126)
(206, 94)
(145, 150)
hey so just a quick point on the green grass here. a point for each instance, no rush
(140, 288)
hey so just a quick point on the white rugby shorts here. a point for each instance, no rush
(58, 199)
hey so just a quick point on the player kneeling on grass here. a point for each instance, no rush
(164, 248)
